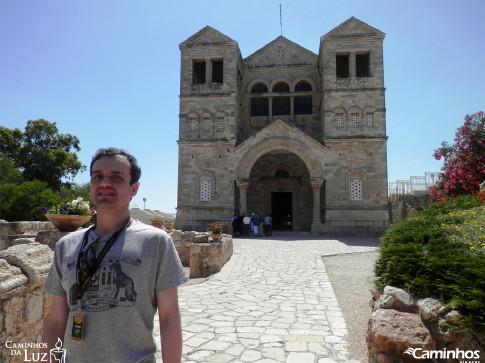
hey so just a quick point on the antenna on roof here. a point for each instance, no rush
(281, 23)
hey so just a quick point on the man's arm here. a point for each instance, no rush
(56, 322)
(170, 326)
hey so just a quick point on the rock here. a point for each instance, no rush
(34, 259)
(429, 309)
(11, 279)
(452, 318)
(391, 332)
(398, 299)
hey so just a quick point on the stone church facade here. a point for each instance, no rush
(285, 131)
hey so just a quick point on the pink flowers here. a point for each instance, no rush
(464, 161)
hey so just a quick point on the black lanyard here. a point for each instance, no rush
(84, 250)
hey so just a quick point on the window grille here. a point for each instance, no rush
(356, 189)
(207, 125)
(354, 121)
(340, 120)
(205, 190)
(193, 124)
(220, 123)
(369, 120)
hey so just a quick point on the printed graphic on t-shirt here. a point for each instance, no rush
(111, 287)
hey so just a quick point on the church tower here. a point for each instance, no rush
(210, 76)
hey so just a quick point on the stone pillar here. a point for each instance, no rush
(352, 62)
(270, 109)
(243, 187)
(208, 70)
(292, 109)
(317, 222)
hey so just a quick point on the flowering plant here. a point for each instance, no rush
(215, 227)
(77, 206)
(464, 162)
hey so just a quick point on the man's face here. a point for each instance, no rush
(110, 183)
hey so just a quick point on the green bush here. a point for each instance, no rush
(24, 202)
(431, 254)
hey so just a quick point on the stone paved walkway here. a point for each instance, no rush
(272, 302)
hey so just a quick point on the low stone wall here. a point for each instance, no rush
(204, 255)
(23, 305)
(402, 329)
(11, 231)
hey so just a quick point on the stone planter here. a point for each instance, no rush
(67, 222)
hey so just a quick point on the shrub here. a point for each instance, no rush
(24, 202)
(424, 256)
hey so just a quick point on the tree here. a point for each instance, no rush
(9, 173)
(464, 162)
(42, 153)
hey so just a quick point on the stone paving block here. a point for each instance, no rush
(300, 358)
(295, 346)
(251, 356)
(215, 345)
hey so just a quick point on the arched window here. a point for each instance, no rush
(281, 173)
(259, 88)
(339, 119)
(355, 189)
(220, 122)
(206, 122)
(303, 86)
(281, 87)
(193, 122)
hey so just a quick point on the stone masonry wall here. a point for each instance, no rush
(23, 305)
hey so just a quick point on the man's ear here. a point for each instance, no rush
(134, 188)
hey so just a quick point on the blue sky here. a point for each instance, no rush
(108, 71)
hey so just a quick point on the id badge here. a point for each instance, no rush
(77, 328)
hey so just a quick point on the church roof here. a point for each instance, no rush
(207, 36)
(353, 27)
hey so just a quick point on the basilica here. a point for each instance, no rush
(286, 132)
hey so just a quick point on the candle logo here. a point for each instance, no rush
(58, 354)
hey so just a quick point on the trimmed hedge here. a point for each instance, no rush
(422, 256)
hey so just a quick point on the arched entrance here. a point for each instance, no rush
(281, 159)
(279, 184)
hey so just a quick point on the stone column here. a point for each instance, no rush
(292, 109)
(352, 62)
(208, 70)
(270, 110)
(317, 222)
(243, 187)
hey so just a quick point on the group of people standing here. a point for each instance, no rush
(245, 225)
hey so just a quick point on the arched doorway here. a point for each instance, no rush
(279, 184)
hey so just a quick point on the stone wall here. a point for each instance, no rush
(23, 305)
(10, 231)
(204, 255)
(401, 323)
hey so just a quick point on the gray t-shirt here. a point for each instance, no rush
(120, 302)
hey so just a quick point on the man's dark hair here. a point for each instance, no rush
(111, 151)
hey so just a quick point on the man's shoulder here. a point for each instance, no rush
(146, 230)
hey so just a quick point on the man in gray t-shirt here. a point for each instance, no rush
(108, 281)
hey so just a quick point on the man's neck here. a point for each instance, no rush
(108, 223)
